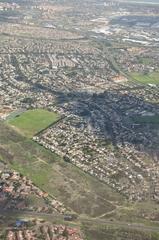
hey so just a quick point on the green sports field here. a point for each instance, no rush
(151, 78)
(33, 121)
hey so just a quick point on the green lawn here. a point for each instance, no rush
(151, 78)
(32, 121)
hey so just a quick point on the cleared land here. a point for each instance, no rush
(152, 78)
(33, 121)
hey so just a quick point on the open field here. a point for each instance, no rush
(94, 232)
(32, 121)
(147, 119)
(77, 190)
(145, 60)
(152, 78)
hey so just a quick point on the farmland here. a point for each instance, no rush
(32, 121)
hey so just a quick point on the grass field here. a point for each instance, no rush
(145, 60)
(99, 232)
(152, 78)
(77, 190)
(32, 121)
(147, 119)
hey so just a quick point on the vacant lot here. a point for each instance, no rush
(77, 190)
(152, 78)
(32, 121)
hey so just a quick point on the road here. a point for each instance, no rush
(114, 223)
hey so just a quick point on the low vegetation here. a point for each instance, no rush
(32, 121)
(94, 232)
(150, 78)
(147, 119)
(77, 190)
